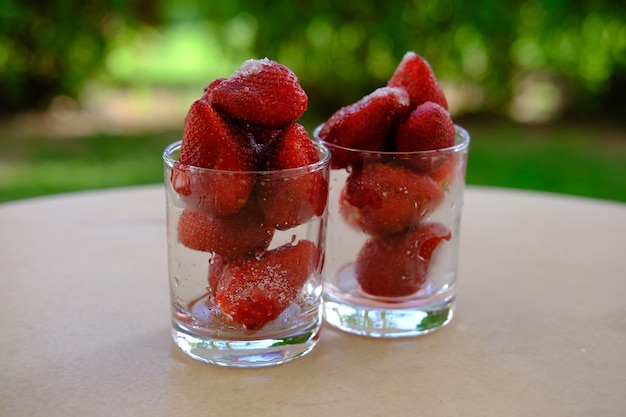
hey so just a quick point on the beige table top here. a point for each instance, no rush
(540, 327)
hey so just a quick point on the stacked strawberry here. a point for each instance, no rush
(390, 198)
(245, 123)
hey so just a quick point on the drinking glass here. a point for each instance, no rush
(393, 239)
(245, 255)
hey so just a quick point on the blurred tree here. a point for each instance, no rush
(566, 51)
(53, 47)
(342, 50)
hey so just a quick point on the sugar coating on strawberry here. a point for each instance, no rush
(239, 234)
(397, 265)
(367, 124)
(261, 92)
(254, 291)
(294, 198)
(384, 198)
(211, 141)
(415, 75)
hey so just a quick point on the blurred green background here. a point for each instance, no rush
(92, 91)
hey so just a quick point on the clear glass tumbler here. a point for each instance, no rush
(245, 254)
(393, 239)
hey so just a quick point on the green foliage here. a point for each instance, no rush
(340, 50)
(54, 47)
(572, 159)
(39, 166)
(578, 160)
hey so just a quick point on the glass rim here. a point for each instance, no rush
(320, 147)
(457, 147)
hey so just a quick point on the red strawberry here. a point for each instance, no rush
(428, 127)
(211, 141)
(367, 124)
(211, 87)
(238, 234)
(253, 291)
(415, 75)
(293, 198)
(261, 92)
(382, 198)
(261, 137)
(396, 265)
(217, 263)
(444, 173)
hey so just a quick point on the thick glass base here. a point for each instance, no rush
(378, 320)
(246, 352)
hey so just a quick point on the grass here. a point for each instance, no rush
(578, 160)
(571, 159)
(38, 166)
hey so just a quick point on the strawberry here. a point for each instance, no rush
(444, 172)
(261, 137)
(254, 291)
(396, 265)
(211, 87)
(415, 75)
(238, 234)
(217, 263)
(261, 92)
(428, 127)
(385, 198)
(211, 141)
(295, 197)
(367, 124)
